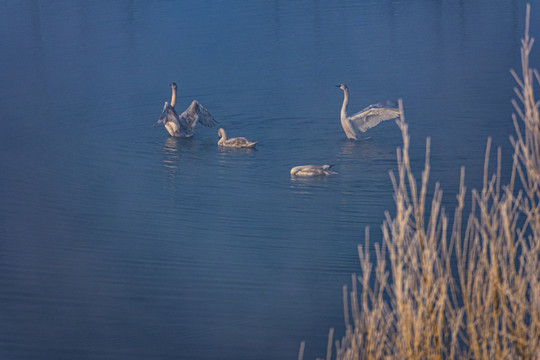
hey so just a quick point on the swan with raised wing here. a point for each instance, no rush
(312, 170)
(367, 118)
(183, 125)
(238, 142)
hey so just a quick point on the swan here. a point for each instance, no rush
(239, 142)
(312, 170)
(367, 118)
(184, 124)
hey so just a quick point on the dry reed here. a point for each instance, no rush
(410, 306)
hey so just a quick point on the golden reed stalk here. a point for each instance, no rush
(410, 306)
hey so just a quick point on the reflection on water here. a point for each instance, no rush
(118, 241)
(172, 154)
(171, 158)
(367, 150)
(235, 150)
(350, 148)
(304, 185)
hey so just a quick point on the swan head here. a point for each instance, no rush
(173, 85)
(342, 87)
(221, 132)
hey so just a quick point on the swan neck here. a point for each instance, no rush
(223, 137)
(173, 98)
(345, 102)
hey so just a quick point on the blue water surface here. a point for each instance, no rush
(120, 242)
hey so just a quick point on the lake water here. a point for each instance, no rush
(120, 242)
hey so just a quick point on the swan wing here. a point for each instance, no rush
(374, 114)
(196, 113)
(169, 117)
(168, 114)
(240, 142)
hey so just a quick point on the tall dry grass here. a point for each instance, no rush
(409, 305)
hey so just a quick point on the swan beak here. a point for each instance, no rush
(338, 85)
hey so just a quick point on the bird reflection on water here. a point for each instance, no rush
(235, 150)
(171, 156)
(306, 185)
(366, 151)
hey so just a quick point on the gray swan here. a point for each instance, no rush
(367, 118)
(184, 124)
(238, 142)
(312, 170)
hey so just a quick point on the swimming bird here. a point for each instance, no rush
(312, 170)
(184, 124)
(367, 118)
(239, 142)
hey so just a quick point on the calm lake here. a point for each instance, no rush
(120, 242)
